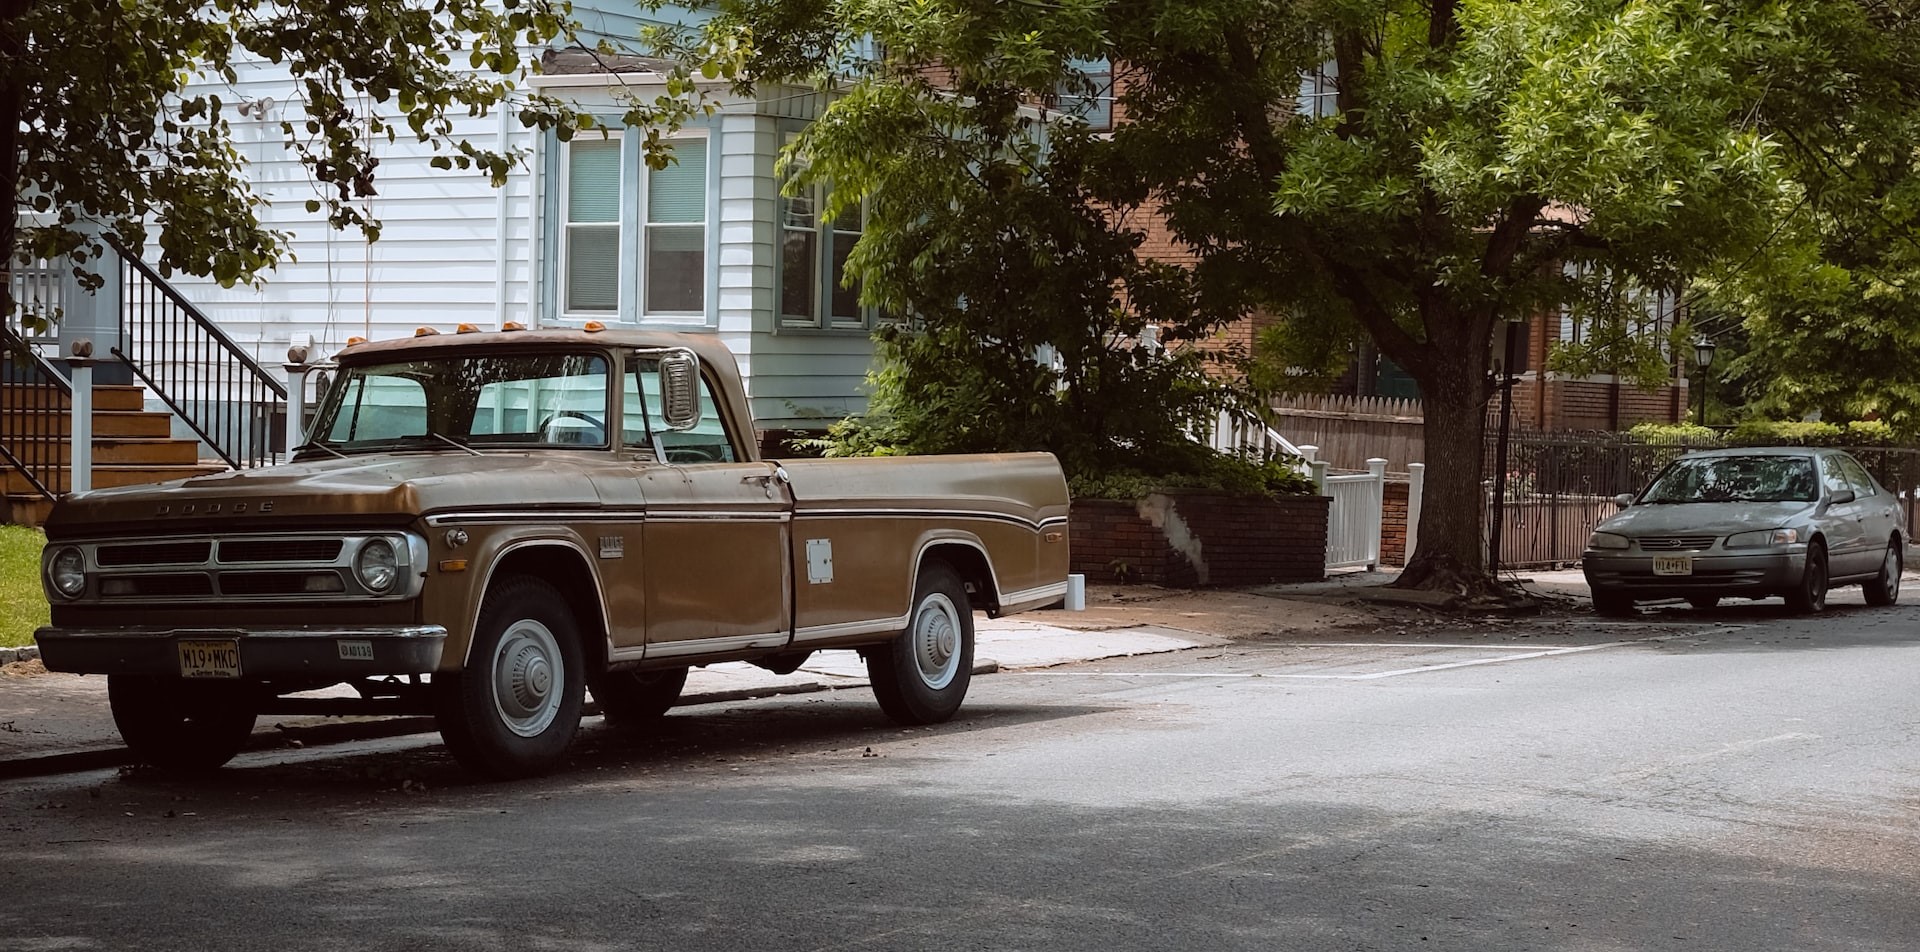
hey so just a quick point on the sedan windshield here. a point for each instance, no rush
(462, 401)
(1735, 479)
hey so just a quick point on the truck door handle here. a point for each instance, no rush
(766, 480)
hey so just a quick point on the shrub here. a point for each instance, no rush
(1674, 433)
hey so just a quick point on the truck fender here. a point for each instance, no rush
(497, 556)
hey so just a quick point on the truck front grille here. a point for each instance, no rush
(289, 568)
(155, 553)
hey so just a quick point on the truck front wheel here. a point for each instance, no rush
(921, 676)
(180, 725)
(515, 707)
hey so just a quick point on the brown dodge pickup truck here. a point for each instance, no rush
(485, 526)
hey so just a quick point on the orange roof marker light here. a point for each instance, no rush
(513, 326)
(424, 332)
(355, 341)
(465, 328)
(593, 327)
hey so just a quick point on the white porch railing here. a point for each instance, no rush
(1354, 517)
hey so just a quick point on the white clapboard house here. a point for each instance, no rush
(582, 231)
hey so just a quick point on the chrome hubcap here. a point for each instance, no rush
(527, 678)
(936, 641)
(1891, 569)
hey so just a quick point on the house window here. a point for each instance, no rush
(606, 270)
(1649, 314)
(813, 265)
(592, 240)
(676, 247)
(1090, 96)
(1320, 91)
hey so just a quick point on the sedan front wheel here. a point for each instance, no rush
(1810, 595)
(1884, 588)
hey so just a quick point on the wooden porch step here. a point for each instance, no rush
(107, 475)
(59, 422)
(28, 509)
(105, 397)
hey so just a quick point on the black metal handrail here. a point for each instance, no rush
(33, 435)
(208, 381)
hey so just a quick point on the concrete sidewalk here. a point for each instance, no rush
(52, 722)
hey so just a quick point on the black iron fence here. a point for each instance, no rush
(33, 418)
(213, 385)
(1560, 485)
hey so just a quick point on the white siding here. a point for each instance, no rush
(454, 249)
(436, 262)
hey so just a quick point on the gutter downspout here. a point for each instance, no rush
(500, 206)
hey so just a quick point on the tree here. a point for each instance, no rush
(111, 115)
(1482, 160)
(1830, 316)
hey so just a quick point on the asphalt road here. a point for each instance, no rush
(1724, 780)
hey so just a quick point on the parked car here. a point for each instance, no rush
(1750, 523)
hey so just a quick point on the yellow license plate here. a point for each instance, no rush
(1673, 565)
(210, 659)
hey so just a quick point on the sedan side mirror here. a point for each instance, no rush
(1842, 496)
(1623, 500)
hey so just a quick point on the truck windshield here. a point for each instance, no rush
(459, 401)
(1735, 479)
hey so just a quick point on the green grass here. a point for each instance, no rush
(23, 606)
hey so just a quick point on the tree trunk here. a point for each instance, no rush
(1453, 551)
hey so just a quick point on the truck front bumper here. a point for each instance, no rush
(261, 653)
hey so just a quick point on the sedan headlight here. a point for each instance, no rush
(1761, 538)
(1607, 540)
(67, 572)
(377, 565)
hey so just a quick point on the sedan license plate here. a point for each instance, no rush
(210, 659)
(1673, 565)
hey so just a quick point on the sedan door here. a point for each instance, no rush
(1843, 523)
(1879, 511)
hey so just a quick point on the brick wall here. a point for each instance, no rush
(1186, 539)
(1393, 523)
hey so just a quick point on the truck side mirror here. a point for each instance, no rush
(680, 390)
(1623, 500)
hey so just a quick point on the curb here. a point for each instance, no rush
(10, 655)
(340, 733)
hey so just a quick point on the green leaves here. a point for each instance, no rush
(125, 113)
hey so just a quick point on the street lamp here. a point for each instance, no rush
(1703, 357)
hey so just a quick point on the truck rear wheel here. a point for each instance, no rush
(180, 725)
(921, 676)
(515, 707)
(635, 697)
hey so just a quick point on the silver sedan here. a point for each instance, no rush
(1750, 523)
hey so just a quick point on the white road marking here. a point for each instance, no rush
(1374, 676)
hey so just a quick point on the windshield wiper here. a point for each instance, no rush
(321, 447)
(456, 444)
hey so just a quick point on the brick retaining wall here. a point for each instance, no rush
(1185, 539)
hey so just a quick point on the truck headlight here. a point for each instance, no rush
(1607, 540)
(1760, 538)
(377, 565)
(67, 572)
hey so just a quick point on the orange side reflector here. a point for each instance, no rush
(593, 327)
(424, 332)
(513, 326)
(453, 565)
(466, 329)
